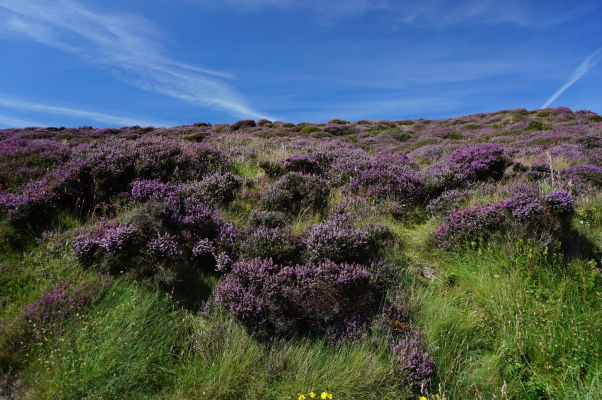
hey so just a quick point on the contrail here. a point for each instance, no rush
(581, 70)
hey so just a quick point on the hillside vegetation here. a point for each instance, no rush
(445, 259)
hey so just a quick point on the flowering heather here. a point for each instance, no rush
(215, 189)
(398, 183)
(337, 240)
(469, 225)
(525, 205)
(560, 202)
(304, 164)
(586, 174)
(295, 192)
(47, 314)
(275, 244)
(267, 219)
(163, 247)
(416, 365)
(270, 298)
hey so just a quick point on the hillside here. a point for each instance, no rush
(451, 259)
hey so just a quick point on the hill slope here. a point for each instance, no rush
(455, 259)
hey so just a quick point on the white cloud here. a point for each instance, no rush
(426, 13)
(581, 70)
(71, 112)
(127, 45)
(7, 121)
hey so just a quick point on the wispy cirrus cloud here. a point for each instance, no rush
(426, 13)
(22, 105)
(581, 70)
(127, 46)
(8, 121)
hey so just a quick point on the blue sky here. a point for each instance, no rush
(173, 62)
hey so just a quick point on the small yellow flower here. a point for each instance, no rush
(422, 398)
(312, 394)
(301, 397)
(329, 396)
(324, 395)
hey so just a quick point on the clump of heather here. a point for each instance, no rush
(295, 192)
(48, 314)
(468, 225)
(447, 202)
(216, 189)
(414, 362)
(267, 219)
(398, 183)
(164, 246)
(468, 164)
(589, 175)
(273, 243)
(336, 239)
(304, 164)
(560, 202)
(301, 299)
(525, 213)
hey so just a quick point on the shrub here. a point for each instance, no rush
(295, 192)
(216, 189)
(398, 183)
(469, 225)
(304, 299)
(447, 202)
(337, 240)
(270, 243)
(585, 174)
(304, 164)
(267, 219)
(416, 365)
(245, 123)
(480, 162)
(560, 202)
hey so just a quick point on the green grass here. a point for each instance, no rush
(228, 364)
(123, 348)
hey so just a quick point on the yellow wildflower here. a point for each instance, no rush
(422, 398)
(329, 396)
(312, 394)
(324, 395)
(301, 397)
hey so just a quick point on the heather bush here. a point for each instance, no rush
(295, 192)
(447, 202)
(22, 160)
(216, 189)
(273, 243)
(472, 224)
(468, 164)
(267, 219)
(398, 183)
(526, 213)
(336, 239)
(584, 174)
(560, 202)
(245, 123)
(414, 362)
(302, 299)
(304, 164)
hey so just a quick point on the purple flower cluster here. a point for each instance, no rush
(47, 314)
(270, 298)
(164, 246)
(526, 211)
(560, 202)
(469, 225)
(336, 239)
(297, 163)
(416, 365)
(295, 192)
(398, 183)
